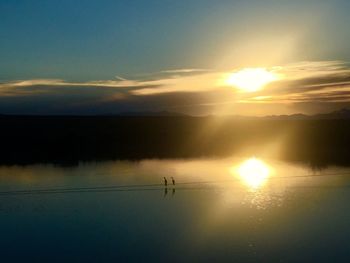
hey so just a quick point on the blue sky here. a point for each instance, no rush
(97, 39)
(84, 41)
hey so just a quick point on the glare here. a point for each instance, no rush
(253, 172)
(251, 79)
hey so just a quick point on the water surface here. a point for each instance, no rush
(233, 209)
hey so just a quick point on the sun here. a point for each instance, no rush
(251, 79)
(253, 173)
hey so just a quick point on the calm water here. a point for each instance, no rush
(228, 210)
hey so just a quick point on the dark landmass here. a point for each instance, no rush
(67, 140)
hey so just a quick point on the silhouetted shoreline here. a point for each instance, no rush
(68, 140)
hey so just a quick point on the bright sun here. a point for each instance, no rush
(253, 172)
(251, 79)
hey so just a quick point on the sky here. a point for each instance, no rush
(107, 56)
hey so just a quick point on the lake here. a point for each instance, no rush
(224, 210)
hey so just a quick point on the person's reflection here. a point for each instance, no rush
(173, 192)
(165, 191)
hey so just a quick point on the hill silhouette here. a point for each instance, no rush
(342, 114)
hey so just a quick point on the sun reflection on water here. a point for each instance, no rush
(253, 172)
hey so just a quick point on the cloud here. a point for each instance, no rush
(169, 84)
(196, 91)
(181, 71)
(308, 81)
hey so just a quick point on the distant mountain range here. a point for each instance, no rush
(335, 115)
(342, 114)
(150, 113)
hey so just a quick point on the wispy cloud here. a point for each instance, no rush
(310, 81)
(189, 70)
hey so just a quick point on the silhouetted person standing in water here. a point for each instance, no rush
(173, 180)
(165, 182)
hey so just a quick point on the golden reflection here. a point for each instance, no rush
(253, 172)
(251, 79)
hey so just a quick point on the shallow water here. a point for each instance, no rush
(228, 210)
